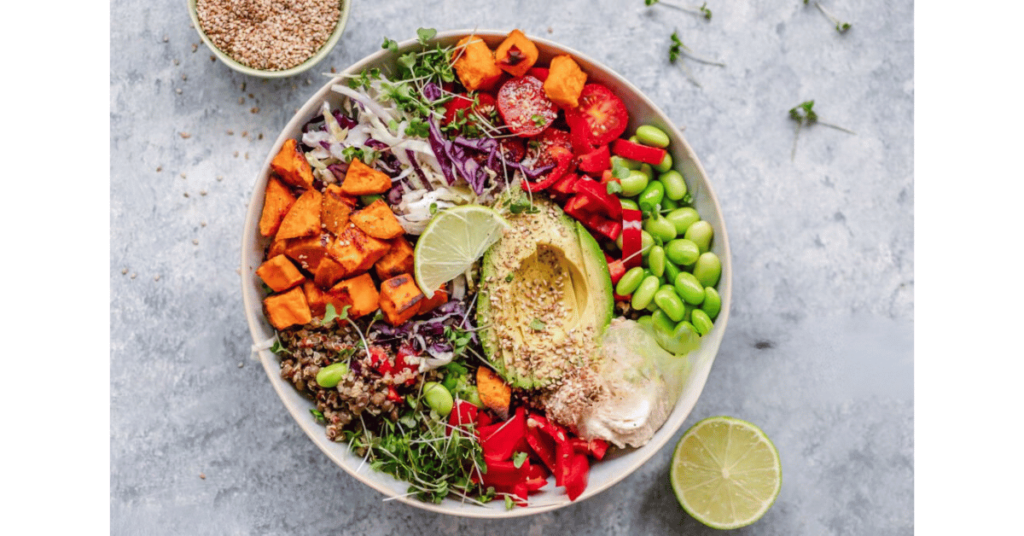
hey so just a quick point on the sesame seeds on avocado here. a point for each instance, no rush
(545, 299)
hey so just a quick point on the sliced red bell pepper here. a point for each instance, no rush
(596, 162)
(483, 419)
(635, 151)
(580, 207)
(464, 413)
(499, 440)
(631, 239)
(563, 163)
(579, 445)
(504, 473)
(603, 226)
(563, 461)
(521, 490)
(610, 205)
(536, 477)
(616, 269)
(542, 445)
(553, 430)
(566, 184)
(394, 396)
(620, 298)
(598, 448)
(606, 177)
(575, 479)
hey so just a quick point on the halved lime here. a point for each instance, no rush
(726, 472)
(452, 242)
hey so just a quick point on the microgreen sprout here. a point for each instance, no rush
(677, 50)
(804, 115)
(317, 415)
(702, 10)
(841, 26)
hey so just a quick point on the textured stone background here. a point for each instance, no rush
(818, 351)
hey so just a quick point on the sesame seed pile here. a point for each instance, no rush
(269, 35)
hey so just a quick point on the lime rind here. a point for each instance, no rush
(453, 240)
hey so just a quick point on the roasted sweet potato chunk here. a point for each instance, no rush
(303, 219)
(361, 179)
(565, 81)
(399, 260)
(279, 273)
(318, 299)
(292, 166)
(494, 392)
(328, 272)
(400, 299)
(276, 202)
(355, 250)
(439, 298)
(475, 67)
(288, 309)
(378, 221)
(308, 251)
(276, 248)
(360, 292)
(335, 210)
(516, 54)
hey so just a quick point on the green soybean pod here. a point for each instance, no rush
(689, 289)
(630, 281)
(659, 227)
(712, 302)
(700, 233)
(683, 218)
(675, 186)
(438, 398)
(652, 194)
(669, 301)
(331, 375)
(652, 136)
(701, 321)
(656, 261)
(645, 320)
(671, 271)
(629, 204)
(708, 269)
(665, 164)
(618, 161)
(682, 251)
(634, 183)
(645, 292)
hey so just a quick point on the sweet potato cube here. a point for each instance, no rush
(303, 219)
(292, 166)
(276, 202)
(439, 298)
(328, 272)
(516, 54)
(400, 299)
(399, 260)
(475, 65)
(335, 210)
(361, 179)
(360, 292)
(318, 299)
(355, 250)
(279, 273)
(493, 391)
(378, 221)
(288, 309)
(276, 248)
(308, 251)
(565, 81)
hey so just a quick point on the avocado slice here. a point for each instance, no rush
(545, 298)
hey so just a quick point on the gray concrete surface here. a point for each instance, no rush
(818, 351)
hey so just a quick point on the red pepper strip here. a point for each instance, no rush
(616, 269)
(619, 298)
(563, 161)
(540, 73)
(606, 177)
(401, 365)
(551, 429)
(504, 473)
(598, 448)
(596, 161)
(609, 204)
(536, 484)
(483, 419)
(394, 396)
(579, 207)
(575, 479)
(464, 413)
(566, 184)
(563, 461)
(521, 490)
(499, 440)
(635, 151)
(542, 445)
(631, 241)
(580, 446)
(536, 477)
(578, 135)
(603, 226)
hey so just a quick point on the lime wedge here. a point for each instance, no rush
(452, 242)
(726, 472)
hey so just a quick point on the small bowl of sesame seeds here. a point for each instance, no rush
(270, 38)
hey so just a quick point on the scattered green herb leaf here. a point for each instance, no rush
(841, 26)
(537, 324)
(702, 10)
(677, 50)
(537, 120)
(518, 459)
(277, 348)
(433, 209)
(804, 115)
(509, 278)
(332, 314)
(509, 504)
(613, 187)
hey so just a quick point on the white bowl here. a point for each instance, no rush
(603, 474)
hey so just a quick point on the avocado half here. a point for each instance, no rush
(550, 230)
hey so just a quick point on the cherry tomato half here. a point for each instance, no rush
(486, 107)
(602, 114)
(525, 107)
(537, 154)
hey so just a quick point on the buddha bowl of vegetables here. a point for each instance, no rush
(679, 176)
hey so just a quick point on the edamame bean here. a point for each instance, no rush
(700, 233)
(665, 164)
(634, 183)
(683, 218)
(689, 288)
(438, 398)
(630, 281)
(652, 195)
(663, 323)
(686, 335)
(629, 204)
(682, 251)
(701, 322)
(671, 271)
(652, 136)
(656, 261)
(651, 307)
(675, 186)
(618, 161)
(668, 205)
(669, 301)
(688, 311)
(331, 375)
(659, 227)
(708, 269)
(645, 321)
(712, 303)
(645, 292)
(633, 139)
(648, 170)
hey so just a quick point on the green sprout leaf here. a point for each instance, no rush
(613, 187)
(509, 504)
(332, 314)
(277, 348)
(317, 416)
(538, 325)
(425, 34)
(390, 45)
(518, 459)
